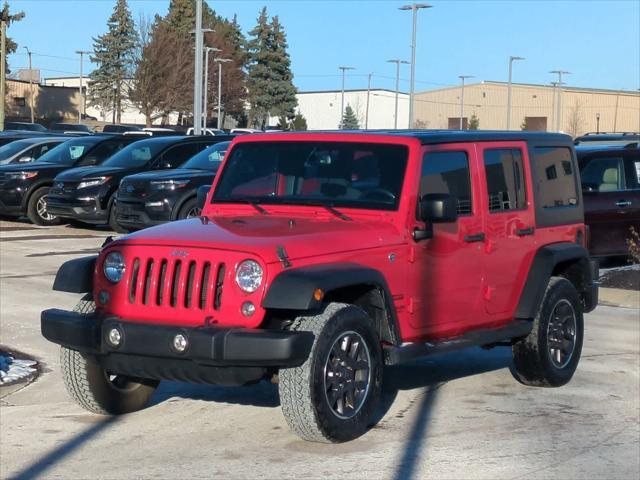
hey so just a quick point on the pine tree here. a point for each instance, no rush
(298, 122)
(10, 44)
(474, 122)
(270, 81)
(349, 119)
(114, 53)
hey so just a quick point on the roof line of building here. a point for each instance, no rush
(533, 85)
(347, 90)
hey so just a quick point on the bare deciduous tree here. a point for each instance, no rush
(575, 120)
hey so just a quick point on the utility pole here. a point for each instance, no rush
(397, 62)
(615, 114)
(511, 59)
(366, 115)
(554, 105)
(205, 109)
(344, 69)
(82, 101)
(220, 61)
(3, 60)
(197, 76)
(30, 86)
(414, 8)
(462, 78)
(559, 115)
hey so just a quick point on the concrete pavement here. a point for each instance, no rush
(459, 415)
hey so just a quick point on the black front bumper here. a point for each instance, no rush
(213, 355)
(89, 211)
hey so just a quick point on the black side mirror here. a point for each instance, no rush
(202, 193)
(438, 208)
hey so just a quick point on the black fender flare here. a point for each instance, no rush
(76, 276)
(542, 267)
(31, 190)
(294, 288)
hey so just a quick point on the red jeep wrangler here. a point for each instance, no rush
(321, 257)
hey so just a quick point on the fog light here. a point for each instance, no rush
(114, 337)
(180, 343)
(154, 204)
(248, 309)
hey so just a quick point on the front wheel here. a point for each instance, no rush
(97, 390)
(332, 397)
(549, 355)
(190, 209)
(113, 222)
(37, 209)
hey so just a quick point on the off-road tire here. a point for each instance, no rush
(32, 208)
(302, 389)
(89, 385)
(531, 357)
(113, 222)
(186, 208)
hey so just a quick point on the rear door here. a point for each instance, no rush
(611, 204)
(509, 225)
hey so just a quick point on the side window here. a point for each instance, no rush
(448, 172)
(632, 168)
(505, 179)
(100, 153)
(179, 154)
(554, 176)
(604, 174)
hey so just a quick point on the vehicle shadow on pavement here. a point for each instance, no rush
(55, 456)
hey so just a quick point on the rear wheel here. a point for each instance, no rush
(97, 390)
(549, 355)
(37, 208)
(190, 209)
(332, 397)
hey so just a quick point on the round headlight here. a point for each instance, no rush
(114, 267)
(249, 276)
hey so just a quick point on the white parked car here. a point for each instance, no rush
(208, 131)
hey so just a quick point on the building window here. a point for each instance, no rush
(19, 101)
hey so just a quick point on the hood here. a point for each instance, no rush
(261, 235)
(31, 167)
(80, 173)
(172, 174)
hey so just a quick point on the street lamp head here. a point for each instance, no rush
(346, 68)
(415, 6)
(464, 77)
(222, 60)
(598, 116)
(516, 58)
(404, 62)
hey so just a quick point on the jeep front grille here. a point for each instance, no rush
(179, 283)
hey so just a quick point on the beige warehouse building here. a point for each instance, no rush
(534, 107)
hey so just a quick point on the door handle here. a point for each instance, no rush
(477, 237)
(521, 232)
(623, 203)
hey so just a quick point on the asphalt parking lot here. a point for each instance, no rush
(458, 415)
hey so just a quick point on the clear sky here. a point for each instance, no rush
(597, 41)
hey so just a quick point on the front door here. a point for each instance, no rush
(507, 204)
(447, 270)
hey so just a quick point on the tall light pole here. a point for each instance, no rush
(197, 75)
(414, 8)
(462, 79)
(30, 86)
(397, 62)
(82, 53)
(598, 122)
(220, 61)
(511, 59)
(559, 114)
(3, 61)
(205, 110)
(366, 115)
(344, 69)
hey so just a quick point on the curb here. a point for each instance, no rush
(616, 297)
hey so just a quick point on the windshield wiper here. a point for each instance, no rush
(251, 201)
(327, 206)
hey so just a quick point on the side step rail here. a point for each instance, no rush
(410, 351)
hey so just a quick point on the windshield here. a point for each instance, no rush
(136, 155)
(10, 149)
(209, 159)
(69, 152)
(338, 174)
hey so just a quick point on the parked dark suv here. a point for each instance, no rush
(88, 194)
(24, 187)
(611, 190)
(152, 198)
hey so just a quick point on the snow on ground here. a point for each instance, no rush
(13, 370)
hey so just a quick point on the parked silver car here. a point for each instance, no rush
(28, 149)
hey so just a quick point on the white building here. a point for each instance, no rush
(322, 108)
